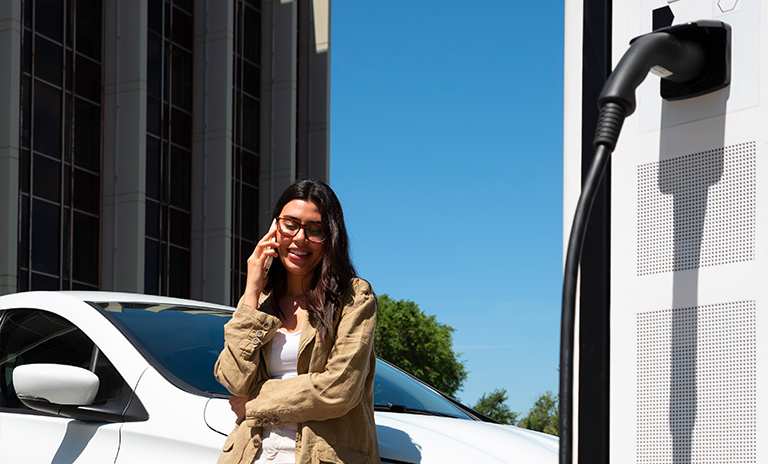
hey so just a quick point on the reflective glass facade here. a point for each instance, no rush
(245, 140)
(170, 40)
(60, 145)
(147, 140)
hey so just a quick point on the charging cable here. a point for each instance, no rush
(693, 59)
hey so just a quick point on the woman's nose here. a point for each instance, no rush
(303, 232)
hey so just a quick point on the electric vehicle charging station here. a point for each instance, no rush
(671, 326)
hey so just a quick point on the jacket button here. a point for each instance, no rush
(257, 422)
(256, 442)
(259, 333)
(275, 420)
(265, 422)
(256, 340)
(266, 326)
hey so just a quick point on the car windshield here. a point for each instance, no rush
(394, 390)
(183, 343)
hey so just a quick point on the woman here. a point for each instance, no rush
(298, 354)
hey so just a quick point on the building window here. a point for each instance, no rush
(168, 238)
(245, 140)
(61, 145)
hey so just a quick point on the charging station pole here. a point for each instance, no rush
(671, 336)
(592, 392)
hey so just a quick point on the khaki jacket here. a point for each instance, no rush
(332, 397)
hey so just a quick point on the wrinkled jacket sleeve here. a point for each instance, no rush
(245, 335)
(334, 391)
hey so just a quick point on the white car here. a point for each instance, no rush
(97, 377)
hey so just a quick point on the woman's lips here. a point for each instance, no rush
(299, 254)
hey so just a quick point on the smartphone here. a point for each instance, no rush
(268, 264)
(270, 258)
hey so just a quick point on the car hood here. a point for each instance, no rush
(427, 439)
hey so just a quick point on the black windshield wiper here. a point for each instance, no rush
(390, 407)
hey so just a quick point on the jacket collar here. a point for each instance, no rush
(308, 333)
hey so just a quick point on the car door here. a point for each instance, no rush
(30, 336)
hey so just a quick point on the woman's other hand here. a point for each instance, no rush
(257, 264)
(237, 403)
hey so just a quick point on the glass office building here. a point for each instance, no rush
(144, 142)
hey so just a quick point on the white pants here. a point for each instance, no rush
(278, 445)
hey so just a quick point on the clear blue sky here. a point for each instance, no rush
(446, 153)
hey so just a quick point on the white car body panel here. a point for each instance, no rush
(435, 440)
(219, 416)
(33, 439)
(176, 430)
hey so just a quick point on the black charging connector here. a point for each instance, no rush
(693, 59)
(714, 37)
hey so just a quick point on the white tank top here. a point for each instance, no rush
(284, 354)
(278, 443)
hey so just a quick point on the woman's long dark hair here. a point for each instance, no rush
(331, 277)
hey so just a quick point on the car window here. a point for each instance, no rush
(32, 336)
(182, 342)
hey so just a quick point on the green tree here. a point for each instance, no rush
(492, 405)
(418, 344)
(543, 416)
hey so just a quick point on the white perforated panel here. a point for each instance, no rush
(697, 385)
(696, 210)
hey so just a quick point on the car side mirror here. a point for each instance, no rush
(55, 384)
(70, 391)
(58, 389)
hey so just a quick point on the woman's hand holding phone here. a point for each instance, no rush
(258, 266)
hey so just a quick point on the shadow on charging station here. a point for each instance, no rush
(689, 180)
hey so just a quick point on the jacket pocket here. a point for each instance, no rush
(229, 444)
(234, 447)
(328, 456)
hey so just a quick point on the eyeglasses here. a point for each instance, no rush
(290, 228)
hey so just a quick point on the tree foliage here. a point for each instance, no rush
(418, 344)
(492, 405)
(543, 416)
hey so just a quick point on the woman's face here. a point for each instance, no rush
(299, 255)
